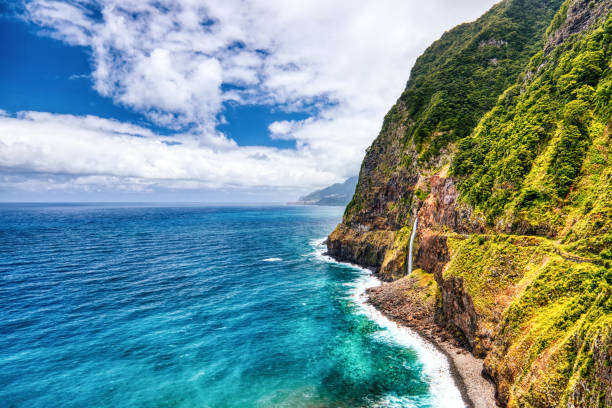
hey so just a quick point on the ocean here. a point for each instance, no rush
(117, 305)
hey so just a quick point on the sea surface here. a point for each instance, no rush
(196, 306)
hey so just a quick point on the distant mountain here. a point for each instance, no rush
(337, 194)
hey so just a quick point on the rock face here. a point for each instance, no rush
(432, 253)
(588, 395)
(579, 16)
(458, 310)
(511, 180)
(440, 209)
(359, 245)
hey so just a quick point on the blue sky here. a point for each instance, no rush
(44, 74)
(64, 86)
(158, 100)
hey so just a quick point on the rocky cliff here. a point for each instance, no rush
(451, 86)
(500, 146)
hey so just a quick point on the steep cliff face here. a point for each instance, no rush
(450, 88)
(512, 187)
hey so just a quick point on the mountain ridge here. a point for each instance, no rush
(338, 194)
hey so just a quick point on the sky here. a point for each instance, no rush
(201, 100)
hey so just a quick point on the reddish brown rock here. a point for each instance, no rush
(432, 252)
(440, 209)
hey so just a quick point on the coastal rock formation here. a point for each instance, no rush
(432, 254)
(411, 301)
(359, 245)
(508, 167)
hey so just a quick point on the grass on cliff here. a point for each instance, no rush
(552, 316)
(540, 160)
(492, 267)
(552, 329)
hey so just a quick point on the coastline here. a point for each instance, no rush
(444, 388)
(449, 381)
(436, 365)
(465, 368)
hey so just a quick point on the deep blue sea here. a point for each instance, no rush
(196, 306)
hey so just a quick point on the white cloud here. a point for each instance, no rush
(169, 60)
(285, 129)
(94, 149)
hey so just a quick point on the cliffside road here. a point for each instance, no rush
(575, 258)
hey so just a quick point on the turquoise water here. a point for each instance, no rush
(160, 306)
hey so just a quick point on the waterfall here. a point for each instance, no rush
(412, 234)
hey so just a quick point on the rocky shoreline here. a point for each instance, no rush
(402, 302)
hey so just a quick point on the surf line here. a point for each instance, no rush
(436, 366)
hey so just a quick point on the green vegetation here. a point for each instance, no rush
(526, 156)
(524, 119)
(460, 76)
(421, 194)
(500, 262)
(394, 262)
(451, 86)
(552, 327)
(550, 313)
(540, 162)
(559, 18)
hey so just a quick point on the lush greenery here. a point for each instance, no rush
(543, 150)
(553, 317)
(523, 114)
(461, 75)
(539, 163)
(451, 86)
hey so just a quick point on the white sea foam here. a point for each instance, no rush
(272, 259)
(436, 368)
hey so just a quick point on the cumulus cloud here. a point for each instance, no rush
(91, 149)
(344, 62)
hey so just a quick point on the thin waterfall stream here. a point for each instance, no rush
(412, 234)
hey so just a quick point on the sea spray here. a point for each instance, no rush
(272, 259)
(436, 367)
(412, 234)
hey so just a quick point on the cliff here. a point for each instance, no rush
(500, 146)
